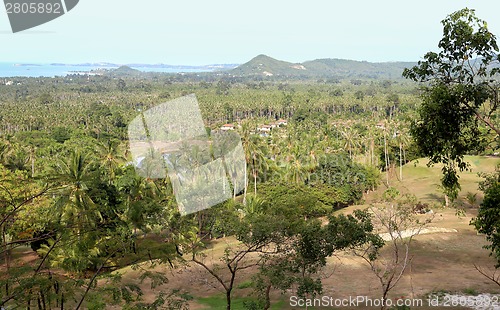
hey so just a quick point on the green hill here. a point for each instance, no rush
(266, 66)
(125, 71)
(352, 68)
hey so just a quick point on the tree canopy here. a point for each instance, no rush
(460, 94)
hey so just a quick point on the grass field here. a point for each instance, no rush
(424, 182)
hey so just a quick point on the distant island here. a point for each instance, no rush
(27, 65)
(152, 66)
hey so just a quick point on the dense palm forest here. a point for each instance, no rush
(73, 210)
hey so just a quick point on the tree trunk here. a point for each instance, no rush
(230, 287)
(33, 167)
(7, 258)
(267, 305)
(385, 291)
(400, 163)
(228, 299)
(372, 151)
(234, 188)
(386, 160)
(255, 183)
(246, 188)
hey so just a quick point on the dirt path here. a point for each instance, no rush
(413, 232)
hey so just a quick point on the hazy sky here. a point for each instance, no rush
(231, 31)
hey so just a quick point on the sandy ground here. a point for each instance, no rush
(414, 232)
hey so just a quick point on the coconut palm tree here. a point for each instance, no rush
(110, 157)
(6, 151)
(257, 158)
(31, 158)
(386, 151)
(255, 155)
(351, 140)
(74, 205)
(402, 138)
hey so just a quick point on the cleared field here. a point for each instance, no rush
(424, 182)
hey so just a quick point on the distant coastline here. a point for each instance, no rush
(27, 65)
(157, 66)
(11, 69)
(262, 66)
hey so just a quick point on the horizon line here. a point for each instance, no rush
(185, 64)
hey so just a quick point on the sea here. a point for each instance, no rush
(52, 70)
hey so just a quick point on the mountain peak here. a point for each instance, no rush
(263, 65)
(266, 66)
(263, 56)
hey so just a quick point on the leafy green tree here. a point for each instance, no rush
(61, 134)
(299, 200)
(459, 107)
(487, 220)
(346, 177)
(17, 193)
(257, 233)
(301, 259)
(146, 203)
(360, 95)
(460, 94)
(15, 157)
(223, 87)
(45, 98)
(121, 84)
(282, 236)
